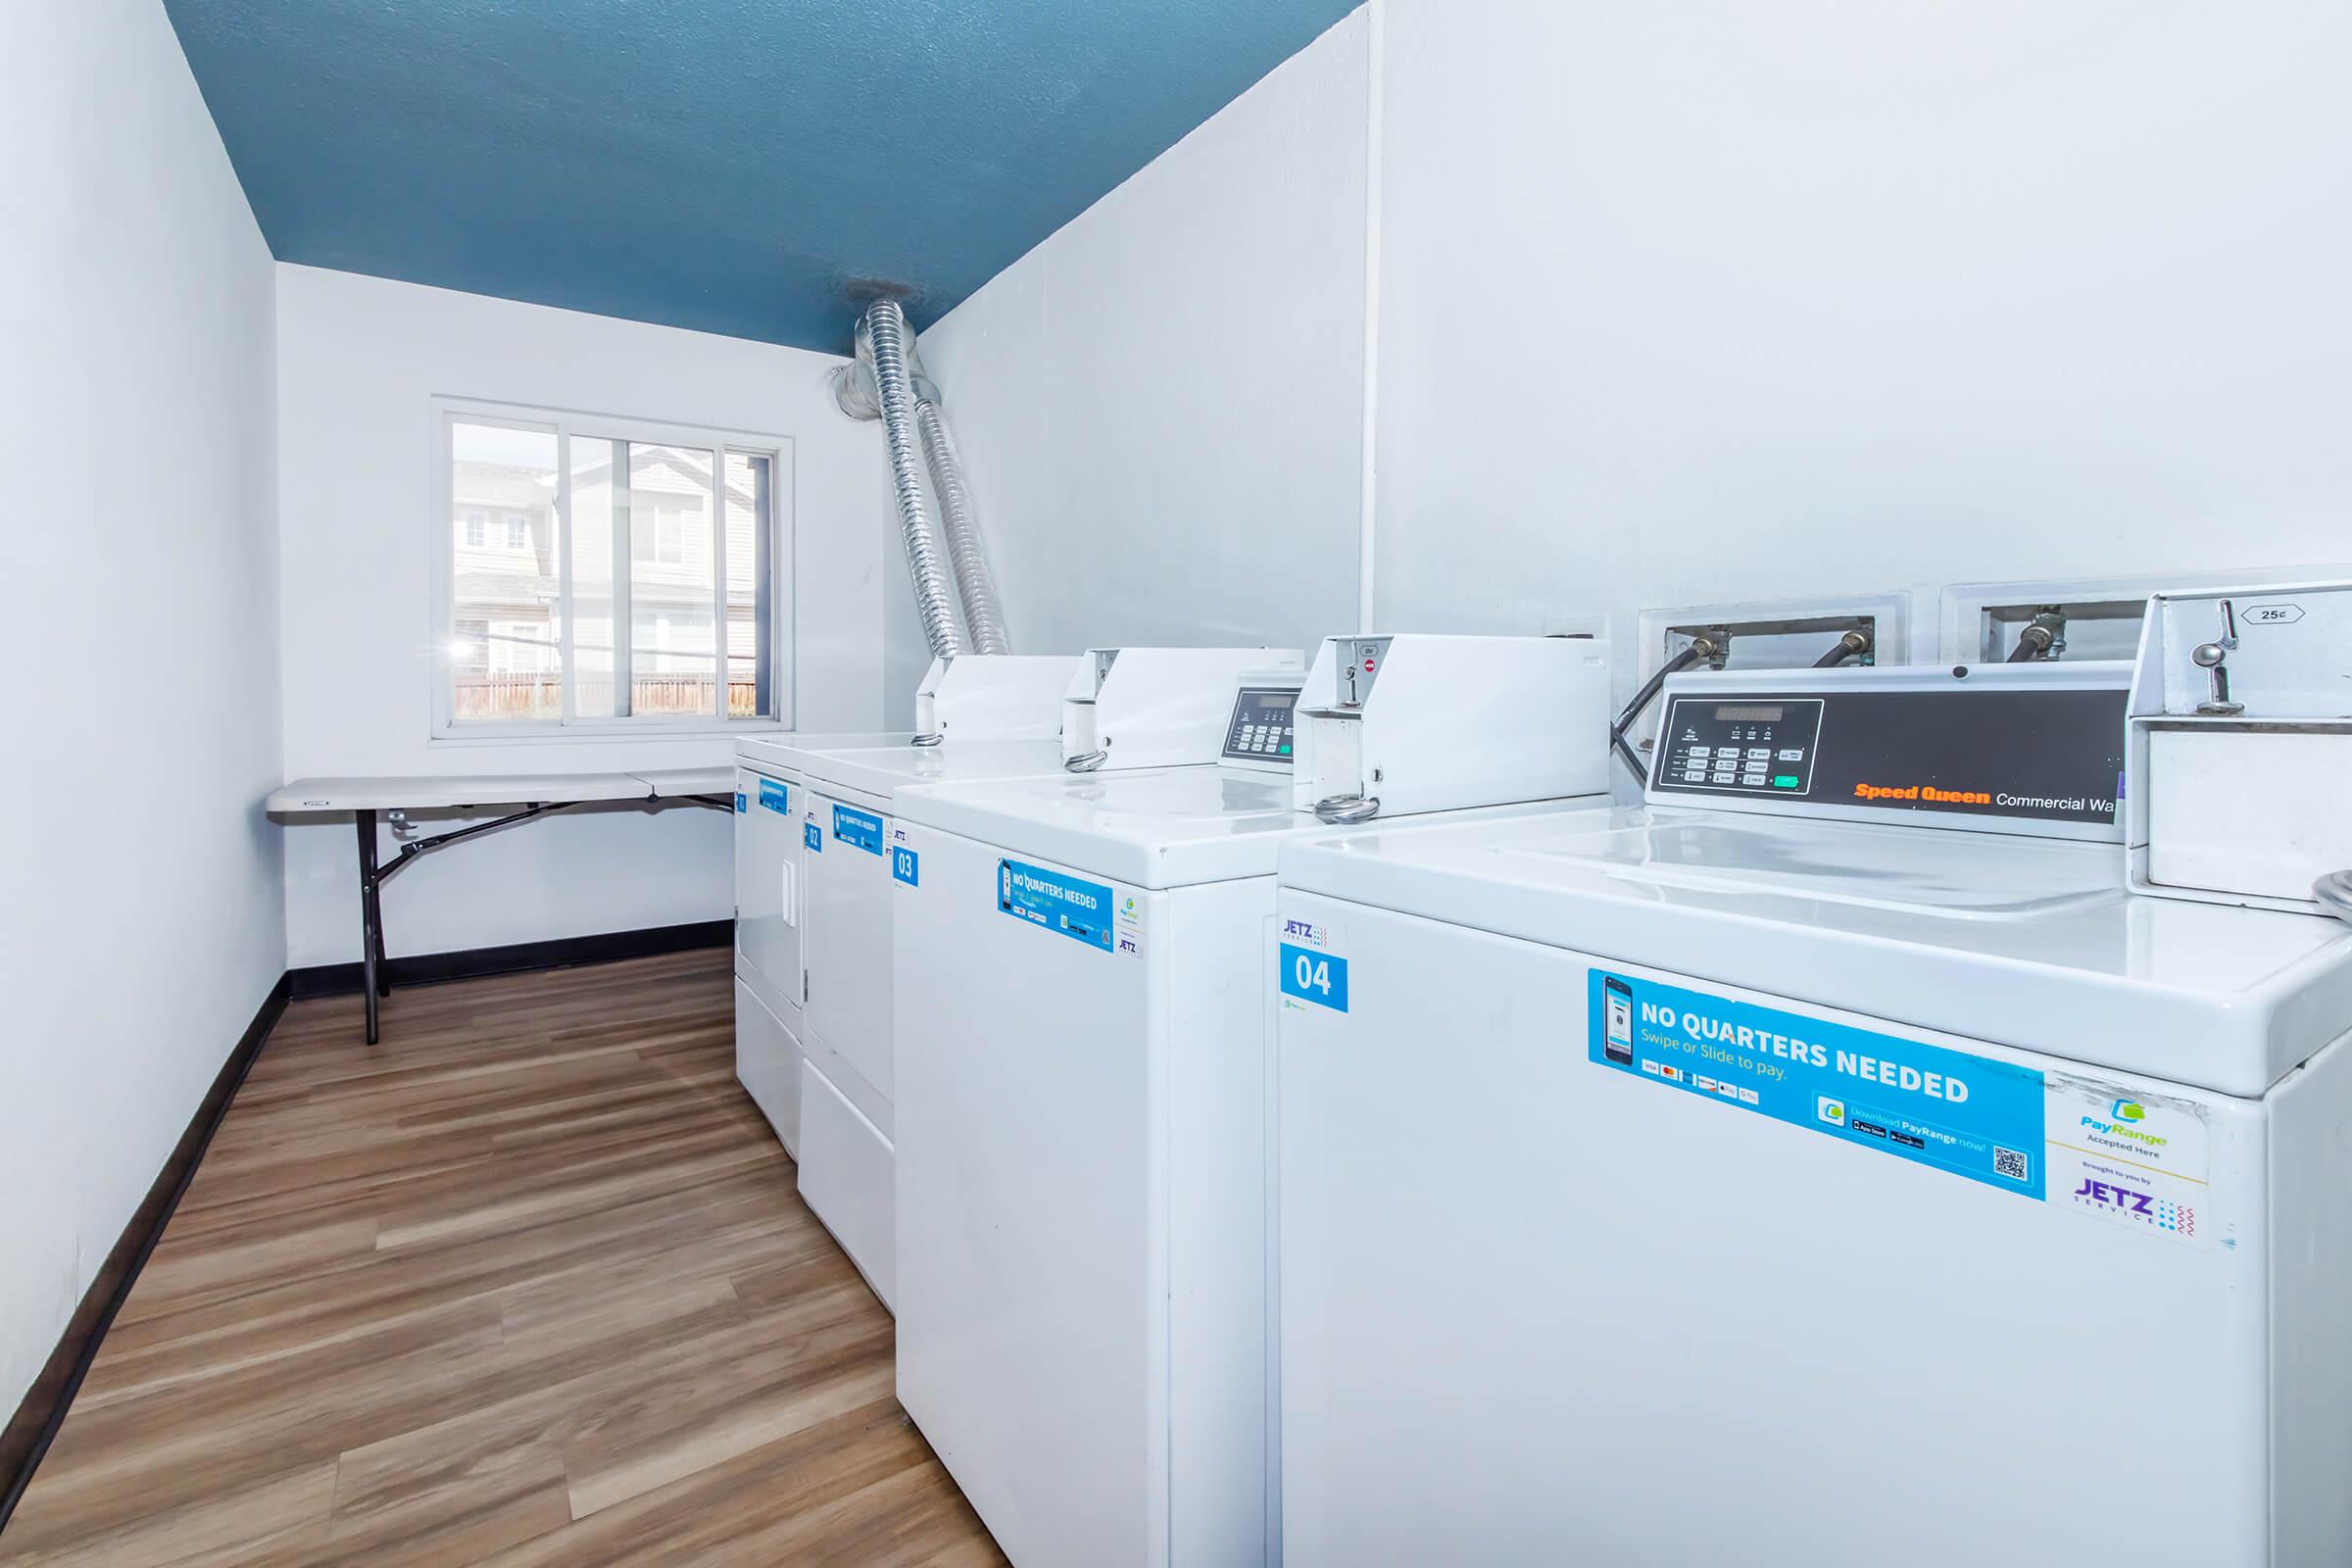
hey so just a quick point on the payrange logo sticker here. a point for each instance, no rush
(2135, 1161)
(1127, 925)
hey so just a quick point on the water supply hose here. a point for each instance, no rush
(934, 595)
(2031, 643)
(1853, 642)
(1698, 648)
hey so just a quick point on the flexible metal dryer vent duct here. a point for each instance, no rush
(888, 384)
(983, 616)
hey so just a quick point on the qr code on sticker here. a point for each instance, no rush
(2008, 1163)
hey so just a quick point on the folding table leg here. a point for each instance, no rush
(371, 929)
(383, 971)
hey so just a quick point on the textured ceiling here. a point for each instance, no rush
(732, 165)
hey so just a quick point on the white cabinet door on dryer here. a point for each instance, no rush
(767, 875)
(849, 953)
(768, 949)
(1032, 1266)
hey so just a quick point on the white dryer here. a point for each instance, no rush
(976, 696)
(1827, 1163)
(767, 942)
(854, 854)
(1081, 1023)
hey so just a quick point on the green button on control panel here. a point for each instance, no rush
(1786, 781)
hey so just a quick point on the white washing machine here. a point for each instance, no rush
(1080, 1027)
(1168, 704)
(1829, 1163)
(979, 696)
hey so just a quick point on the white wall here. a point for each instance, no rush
(142, 926)
(1717, 301)
(1160, 405)
(359, 362)
(1685, 303)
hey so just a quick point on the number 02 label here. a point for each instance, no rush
(1315, 977)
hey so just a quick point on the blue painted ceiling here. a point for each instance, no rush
(734, 166)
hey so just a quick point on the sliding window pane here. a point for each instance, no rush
(506, 579)
(748, 504)
(673, 651)
(595, 502)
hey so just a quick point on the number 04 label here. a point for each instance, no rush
(1313, 976)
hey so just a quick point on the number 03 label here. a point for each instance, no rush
(1314, 976)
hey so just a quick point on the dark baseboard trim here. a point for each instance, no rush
(428, 968)
(26, 1440)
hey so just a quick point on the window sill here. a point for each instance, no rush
(644, 734)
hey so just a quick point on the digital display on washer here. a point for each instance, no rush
(1261, 728)
(2052, 756)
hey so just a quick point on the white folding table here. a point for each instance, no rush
(531, 794)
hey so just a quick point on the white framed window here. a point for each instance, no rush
(601, 574)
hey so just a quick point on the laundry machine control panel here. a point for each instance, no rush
(1260, 729)
(2005, 747)
(1746, 744)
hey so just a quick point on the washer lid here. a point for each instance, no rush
(1996, 877)
(2020, 942)
(1162, 827)
(789, 751)
(1152, 828)
(877, 772)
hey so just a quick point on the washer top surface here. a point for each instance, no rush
(2023, 942)
(877, 772)
(1160, 827)
(789, 751)
(1155, 828)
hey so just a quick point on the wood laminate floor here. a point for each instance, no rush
(529, 1284)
